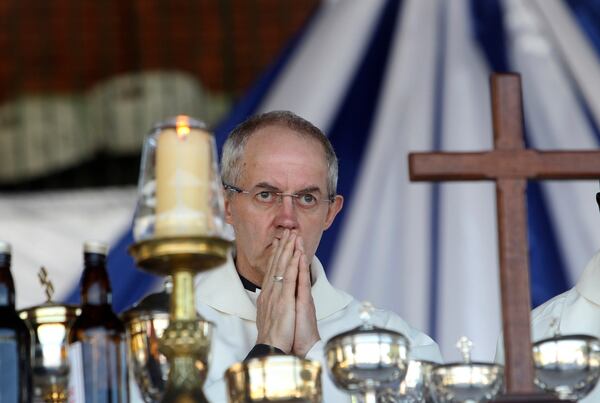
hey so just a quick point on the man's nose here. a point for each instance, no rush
(287, 216)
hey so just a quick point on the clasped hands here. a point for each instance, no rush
(286, 316)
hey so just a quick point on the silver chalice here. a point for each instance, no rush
(567, 366)
(467, 381)
(145, 324)
(367, 360)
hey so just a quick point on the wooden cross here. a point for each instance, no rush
(510, 165)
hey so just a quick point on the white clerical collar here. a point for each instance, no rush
(589, 282)
(222, 289)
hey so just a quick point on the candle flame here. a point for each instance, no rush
(182, 127)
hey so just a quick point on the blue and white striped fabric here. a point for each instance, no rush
(385, 77)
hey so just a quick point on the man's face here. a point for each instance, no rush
(276, 158)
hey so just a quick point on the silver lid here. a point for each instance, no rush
(5, 247)
(95, 247)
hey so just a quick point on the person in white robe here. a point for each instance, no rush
(280, 174)
(576, 311)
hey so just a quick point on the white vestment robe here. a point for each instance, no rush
(576, 311)
(222, 299)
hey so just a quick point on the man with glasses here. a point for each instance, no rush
(279, 175)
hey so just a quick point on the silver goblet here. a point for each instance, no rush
(466, 382)
(145, 324)
(367, 360)
(567, 366)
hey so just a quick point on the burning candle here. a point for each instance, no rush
(183, 170)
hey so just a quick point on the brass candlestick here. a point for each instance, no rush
(179, 232)
(186, 340)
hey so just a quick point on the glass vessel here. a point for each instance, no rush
(15, 340)
(179, 189)
(97, 349)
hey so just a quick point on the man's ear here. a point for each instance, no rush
(227, 204)
(334, 208)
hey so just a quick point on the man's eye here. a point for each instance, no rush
(264, 196)
(307, 199)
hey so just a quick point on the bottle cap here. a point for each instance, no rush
(5, 247)
(95, 247)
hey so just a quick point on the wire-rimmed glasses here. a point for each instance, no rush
(264, 197)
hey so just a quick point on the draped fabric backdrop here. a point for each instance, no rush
(383, 78)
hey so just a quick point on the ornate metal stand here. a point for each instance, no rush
(186, 341)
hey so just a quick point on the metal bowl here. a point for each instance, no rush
(466, 382)
(568, 366)
(274, 378)
(367, 359)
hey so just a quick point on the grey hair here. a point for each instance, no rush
(233, 149)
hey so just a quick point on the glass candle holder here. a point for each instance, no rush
(179, 188)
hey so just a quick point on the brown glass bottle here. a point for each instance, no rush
(15, 339)
(97, 349)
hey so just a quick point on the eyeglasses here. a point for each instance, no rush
(262, 197)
